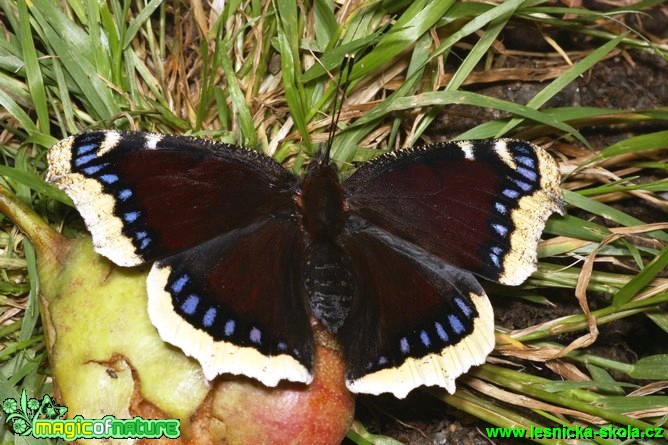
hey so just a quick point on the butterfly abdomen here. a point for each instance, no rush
(328, 283)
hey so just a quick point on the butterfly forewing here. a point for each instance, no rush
(478, 205)
(145, 196)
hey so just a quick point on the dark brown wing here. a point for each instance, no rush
(414, 321)
(479, 205)
(146, 196)
(236, 303)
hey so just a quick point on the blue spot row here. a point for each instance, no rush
(528, 173)
(381, 362)
(495, 259)
(526, 161)
(404, 346)
(84, 160)
(131, 217)
(495, 255)
(90, 171)
(178, 285)
(424, 337)
(229, 328)
(465, 308)
(190, 305)
(209, 317)
(510, 193)
(125, 194)
(456, 324)
(524, 186)
(522, 149)
(442, 334)
(446, 331)
(83, 149)
(256, 336)
(523, 181)
(500, 229)
(109, 178)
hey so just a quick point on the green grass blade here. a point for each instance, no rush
(248, 133)
(141, 18)
(608, 212)
(468, 98)
(566, 78)
(17, 113)
(35, 183)
(33, 71)
(635, 144)
(415, 21)
(472, 60)
(288, 48)
(638, 282)
(654, 367)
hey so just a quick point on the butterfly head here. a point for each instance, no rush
(321, 159)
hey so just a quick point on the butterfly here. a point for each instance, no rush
(245, 253)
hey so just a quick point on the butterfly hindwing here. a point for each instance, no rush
(479, 205)
(414, 321)
(236, 304)
(145, 196)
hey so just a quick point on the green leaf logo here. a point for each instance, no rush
(22, 414)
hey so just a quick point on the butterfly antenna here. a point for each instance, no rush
(339, 97)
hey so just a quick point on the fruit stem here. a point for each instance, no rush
(50, 244)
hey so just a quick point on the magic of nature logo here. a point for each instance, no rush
(43, 419)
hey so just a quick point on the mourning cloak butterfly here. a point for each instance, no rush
(245, 253)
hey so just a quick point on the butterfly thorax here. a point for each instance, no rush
(328, 281)
(322, 201)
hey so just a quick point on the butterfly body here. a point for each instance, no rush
(245, 253)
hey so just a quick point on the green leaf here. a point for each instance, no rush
(239, 104)
(141, 18)
(608, 212)
(36, 183)
(642, 279)
(463, 97)
(472, 60)
(291, 67)
(558, 84)
(325, 25)
(633, 144)
(17, 112)
(33, 71)
(415, 21)
(660, 318)
(624, 404)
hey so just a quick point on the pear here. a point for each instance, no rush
(108, 359)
